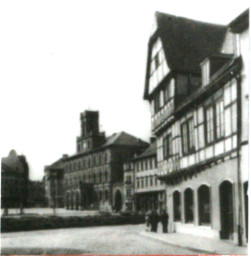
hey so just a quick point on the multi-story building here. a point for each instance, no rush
(93, 177)
(149, 190)
(129, 186)
(197, 86)
(142, 189)
(54, 183)
(14, 181)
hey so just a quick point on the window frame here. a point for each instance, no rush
(213, 105)
(190, 148)
(167, 149)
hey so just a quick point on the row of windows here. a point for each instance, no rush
(204, 208)
(87, 162)
(146, 164)
(214, 127)
(88, 178)
(148, 181)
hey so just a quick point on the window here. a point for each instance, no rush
(157, 103)
(209, 124)
(215, 121)
(204, 204)
(205, 69)
(158, 65)
(137, 183)
(166, 93)
(187, 133)
(167, 146)
(128, 192)
(128, 179)
(219, 111)
(142, 183)
(176, 206)
(188, 198)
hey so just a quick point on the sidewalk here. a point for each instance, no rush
(200, 244)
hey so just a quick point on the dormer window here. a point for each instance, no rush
(205, 72)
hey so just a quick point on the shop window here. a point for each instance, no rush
(189, 206)
(204, 205)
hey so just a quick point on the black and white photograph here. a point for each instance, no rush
(125, 127)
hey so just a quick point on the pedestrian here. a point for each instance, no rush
(154, 218)
(164, 220)
(148, 221)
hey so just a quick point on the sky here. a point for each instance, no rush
(61, 57)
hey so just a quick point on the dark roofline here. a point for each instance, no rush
(189, 19)
(240, 23)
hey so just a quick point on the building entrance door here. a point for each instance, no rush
(118, 201)
(226, 209)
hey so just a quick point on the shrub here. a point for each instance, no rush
(25, 223)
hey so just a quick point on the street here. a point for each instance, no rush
(95, 240)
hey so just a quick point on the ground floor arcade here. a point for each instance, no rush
(93, 197)
(208, 204)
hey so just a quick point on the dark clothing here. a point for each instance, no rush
(164, 220)
(154, 219)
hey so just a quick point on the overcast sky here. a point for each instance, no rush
(59, 58)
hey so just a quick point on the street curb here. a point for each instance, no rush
(177, 245)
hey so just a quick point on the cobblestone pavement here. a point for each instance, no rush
(96, 240)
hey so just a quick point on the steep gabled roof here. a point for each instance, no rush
(150, 151)
(185, 42)
(240, 23)
(124, 139)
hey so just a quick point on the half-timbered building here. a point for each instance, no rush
(197, 86)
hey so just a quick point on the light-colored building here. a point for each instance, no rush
(197, 86)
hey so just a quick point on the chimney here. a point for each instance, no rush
(152, 139)
(65, 156)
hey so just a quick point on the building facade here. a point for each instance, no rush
(149, 190)
(143, 190)
(93, 177)
(14, 181)
(197, 86)
(54, 183)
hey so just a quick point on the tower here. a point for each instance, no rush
(90, 136)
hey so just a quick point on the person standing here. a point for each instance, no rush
(148, 220)
(154, 217)
(164, 220)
